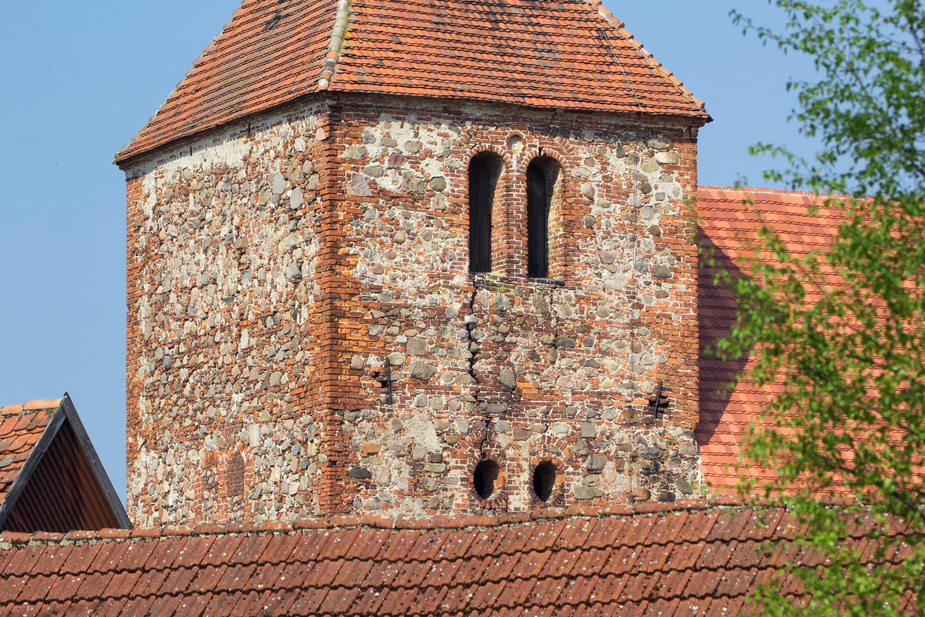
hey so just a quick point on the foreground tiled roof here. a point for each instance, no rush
(682, 559)
(571, 54)
(21, 426)
(725, 222)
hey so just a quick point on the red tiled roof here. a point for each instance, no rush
(21, 426)
(50, 475)
(725, 222)
(667, 559)
(571, 54)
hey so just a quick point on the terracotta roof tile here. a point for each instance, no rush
(592, 560)
(571, 55)
(518, 592)
(165, 553)
(11, 588)
(533, 564)
(725, 222)
(604, 533)
(21, 426)
(279, 549)
(193, 551)
(666, 528)
(307, 601)
(650, 569)
(637, 533)
(193, 604)
(685, 555)
(442, 572)
(207, 578)
(167, 605)
(223, 550)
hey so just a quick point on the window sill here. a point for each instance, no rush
(548, 281)
(494, 279)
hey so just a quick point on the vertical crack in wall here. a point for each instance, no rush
(556, 333)
(471, 324)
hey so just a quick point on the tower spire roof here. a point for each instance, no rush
(570, 54)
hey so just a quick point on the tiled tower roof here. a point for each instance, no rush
(562, 55)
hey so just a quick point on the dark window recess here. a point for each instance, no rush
(659, 402)
(541, 180)
(544, 480)
(483, 478)
(484, 170)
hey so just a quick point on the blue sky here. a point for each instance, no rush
(79, 79)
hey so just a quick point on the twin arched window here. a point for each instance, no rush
(542, 173)
(484, 171)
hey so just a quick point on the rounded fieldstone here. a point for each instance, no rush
(668, 158)
(422, 370)
(683, 486)
(416, 347)
(279, 184)
(359, 473)
(354, 152)
(358, 186)
(687, 449)
(597, 462)
(661, 271)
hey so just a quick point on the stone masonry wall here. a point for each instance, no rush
(305, 338)
(222, 306)
(441, 369)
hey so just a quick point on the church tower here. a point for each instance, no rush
(412, 258)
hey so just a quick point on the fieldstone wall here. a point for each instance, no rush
(305, 336)
(222, 302)
(453, 368)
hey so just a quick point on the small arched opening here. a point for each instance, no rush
(484, 478)
(542, 173)
(544, 480)
(484, 171)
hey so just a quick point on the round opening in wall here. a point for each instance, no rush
(484, 477)
(544, 480)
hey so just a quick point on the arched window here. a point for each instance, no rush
(484, 170)
(541, 180)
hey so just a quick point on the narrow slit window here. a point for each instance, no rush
(484, 170)
(541, 180)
